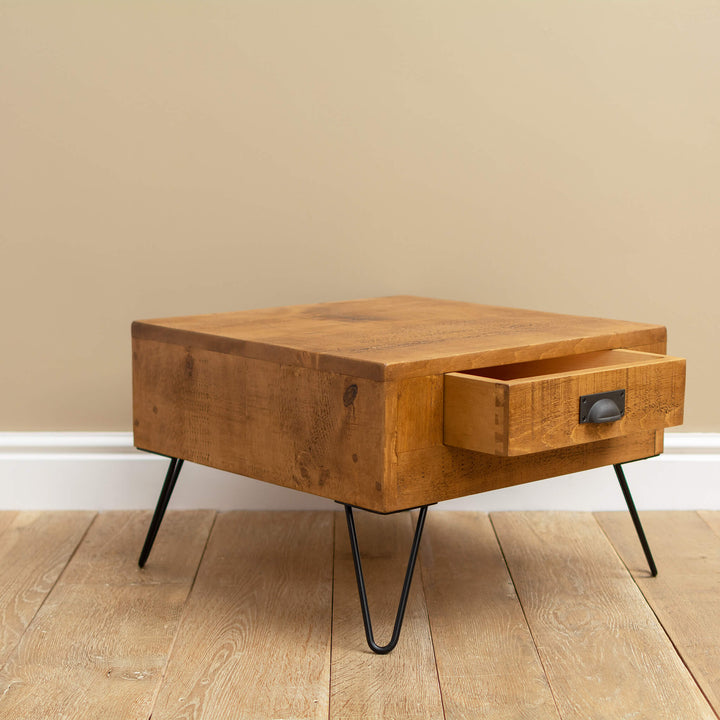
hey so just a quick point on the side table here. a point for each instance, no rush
(395, 403)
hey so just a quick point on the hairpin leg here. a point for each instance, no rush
(162, 503)
(384, 649)
(636, 520)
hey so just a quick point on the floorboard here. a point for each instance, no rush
(34, 549)
(99, 644)
(487, 663)
(256, 615)
(685, 595)
(712, 518)
(255, 636)
(365, 686)
(604, 653)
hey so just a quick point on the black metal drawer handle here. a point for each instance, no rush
(602, 407)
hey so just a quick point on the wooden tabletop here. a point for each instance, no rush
(395, 337)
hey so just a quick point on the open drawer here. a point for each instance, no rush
(540, 405)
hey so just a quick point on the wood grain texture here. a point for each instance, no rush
(429, 471)
(441, 473)
(255, 638)
(420, 413)
(397, 337)
(345, 400)
(568, 365)
(712, 518)
(420, 409)
(34, 549)
(476, 414)
(533, 407)
(487, 663)
(7, 518)
(99, 644)
(314, 431)
(255, 633)
(685, 595)
(109, 554)
(603, 651)
(374, 445)
(366, 686)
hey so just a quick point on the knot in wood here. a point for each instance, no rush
(350, 394)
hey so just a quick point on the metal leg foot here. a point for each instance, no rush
(384, 649)
(636, 520)
(162, 503)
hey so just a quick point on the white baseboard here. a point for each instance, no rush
(102, 471)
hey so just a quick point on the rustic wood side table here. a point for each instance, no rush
(400, 402)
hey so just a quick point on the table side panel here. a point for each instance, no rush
(429, 471)
(319, 432)
(442, 473)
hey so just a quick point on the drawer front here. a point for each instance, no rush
(536, 406)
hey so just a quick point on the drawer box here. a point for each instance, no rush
(531, 407)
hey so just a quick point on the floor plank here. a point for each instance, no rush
(602, 648)
(685, 595)
(110, 553)
(366, 686)
(34, 549)
(7, 518)
(99, 644)
(487, 663)
(255, 637)
(712, 518)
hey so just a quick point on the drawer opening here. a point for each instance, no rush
(529, 407)
(563, 365)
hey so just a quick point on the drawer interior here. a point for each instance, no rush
(565, 365)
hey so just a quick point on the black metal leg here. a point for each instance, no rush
(636, 520)
(162, 503)
(384, 649)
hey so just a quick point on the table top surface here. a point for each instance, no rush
(400, 336)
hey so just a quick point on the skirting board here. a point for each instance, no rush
(102, 471)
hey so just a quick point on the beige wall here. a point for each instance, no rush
(167, 158)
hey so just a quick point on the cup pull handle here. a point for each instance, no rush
(602, 407)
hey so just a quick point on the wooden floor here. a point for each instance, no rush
(256, 615)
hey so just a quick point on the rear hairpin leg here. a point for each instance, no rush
(162, 503)
(384, 649)
(636, 520)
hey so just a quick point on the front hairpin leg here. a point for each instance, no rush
(635, 518)
(384, 649)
